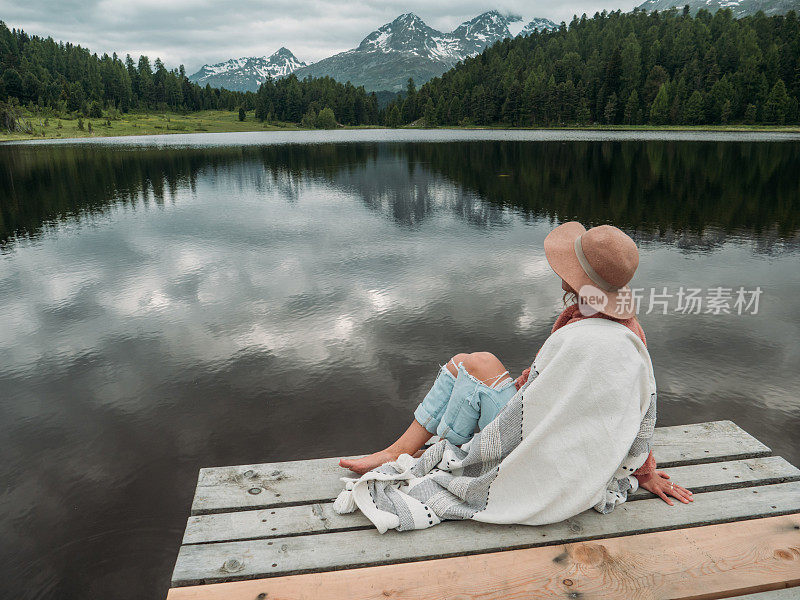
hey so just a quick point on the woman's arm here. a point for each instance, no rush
(657, 482)
(520, 381)
(654, 481)
(646, 471)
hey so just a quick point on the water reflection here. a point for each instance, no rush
(168, 309)
(696, 192)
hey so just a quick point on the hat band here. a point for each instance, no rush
(587, 268)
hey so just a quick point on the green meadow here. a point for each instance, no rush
(136, 123)
(221, 121)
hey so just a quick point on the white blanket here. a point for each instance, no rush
(568, 441)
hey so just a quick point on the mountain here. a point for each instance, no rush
(246, 74)
(538, 24)
(407, 47)
(740, 8)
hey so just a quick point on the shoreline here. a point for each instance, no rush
(141, 124)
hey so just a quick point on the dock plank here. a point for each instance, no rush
(247, 487)
(791, 593)
(320, 517)
(230, 561)
(714, 561)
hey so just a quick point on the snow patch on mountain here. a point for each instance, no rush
(538, 24)
(408, 47)
(386, 58)
(247, 73)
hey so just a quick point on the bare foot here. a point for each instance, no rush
(362, 465)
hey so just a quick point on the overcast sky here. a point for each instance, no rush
(194, 32)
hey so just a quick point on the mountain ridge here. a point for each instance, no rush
(247, 73)
(408, 47)
(383, 60)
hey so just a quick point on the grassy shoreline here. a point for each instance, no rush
(220, 121)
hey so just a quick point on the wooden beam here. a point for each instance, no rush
(227, 561)
(702, 563)
(320, 517)
(247, 487)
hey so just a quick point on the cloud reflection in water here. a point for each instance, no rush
(195, 307)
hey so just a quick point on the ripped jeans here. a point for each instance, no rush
(456, 405)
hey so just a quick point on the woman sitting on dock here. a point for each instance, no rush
(572, 432)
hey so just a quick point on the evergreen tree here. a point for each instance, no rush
(242, 113)
(694, 113)
(430, 114)
(409, 111)
(655, 79)
(631, 65)
(633, 114)
(147, 89)
(393, 117)
(777, 104)
(610, 113)
(75, 96)
(659, 110)
(725, 113)
(750, 114)
(584, 115)
(12, 83)
(309, 120)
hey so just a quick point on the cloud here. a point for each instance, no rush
(197, 32)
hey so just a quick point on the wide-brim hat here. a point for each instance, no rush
(598, 264)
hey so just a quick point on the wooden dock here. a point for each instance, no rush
(269, 532)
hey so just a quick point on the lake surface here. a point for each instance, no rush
(170, 303)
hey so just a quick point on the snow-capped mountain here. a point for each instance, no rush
(739, 8)
(384, 60)
(538, 24)
(407, 47)
(246, 74)
(482, 31)
(409, 34)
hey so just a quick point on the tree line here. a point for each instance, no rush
(311, 101)
(615, 68)
(40, 72)
(623, 68)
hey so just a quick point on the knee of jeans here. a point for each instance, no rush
(444, 431)
(458, 422)
(435, 401)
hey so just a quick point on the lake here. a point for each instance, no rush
(170, 303)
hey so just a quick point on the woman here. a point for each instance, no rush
(572, 432)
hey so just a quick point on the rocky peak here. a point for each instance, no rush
(489, 25)
(538, 24)
(248, 72)
(407, 33)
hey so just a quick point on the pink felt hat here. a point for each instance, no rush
(598, 264)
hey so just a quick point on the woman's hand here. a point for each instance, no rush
(660, 485)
